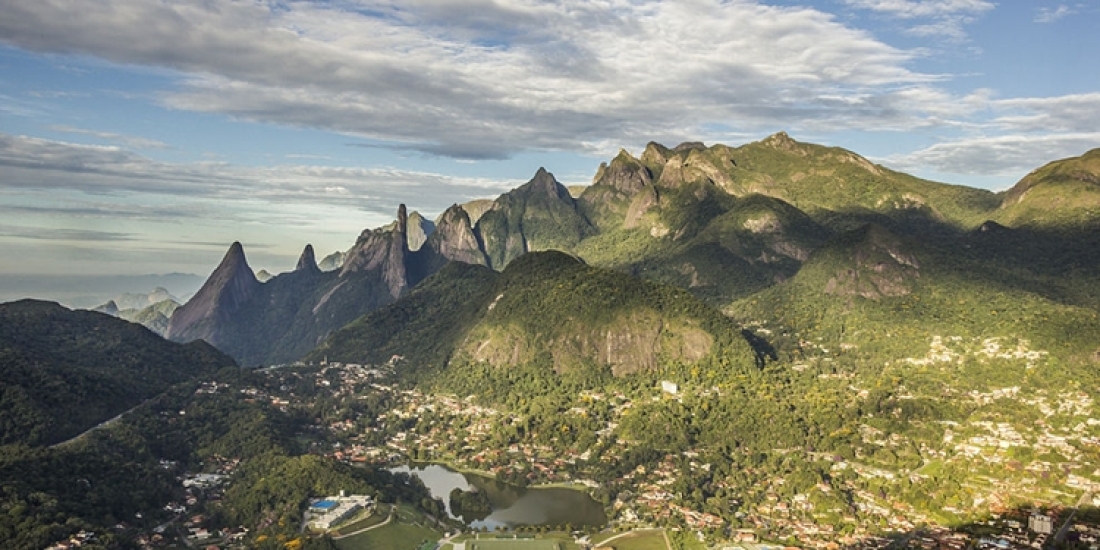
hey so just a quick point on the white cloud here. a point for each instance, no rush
(910, 9)
(126, 209)
(133, 142)
(1048, 15)
(28, 163)
(500, 77)
(1001, 155)
(1068, 113)
(1018, 135)
(943, 18)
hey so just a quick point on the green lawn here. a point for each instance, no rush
(522, 544)
(506, 542)
(395, 536)
(642, 540)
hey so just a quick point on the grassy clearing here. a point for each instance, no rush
(521, 544)
(395, 536)
(549, 541)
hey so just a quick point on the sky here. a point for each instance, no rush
(145, 136)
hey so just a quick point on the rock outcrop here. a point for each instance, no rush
(538, 215)
(230, 287)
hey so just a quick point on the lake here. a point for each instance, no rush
(512, 506)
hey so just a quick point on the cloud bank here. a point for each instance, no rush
(491, 78)
(487, 79)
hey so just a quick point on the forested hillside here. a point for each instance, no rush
(63, 371)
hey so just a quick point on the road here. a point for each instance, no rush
(634, 531)
(1061, 534)
(365, 529)
(103, 424)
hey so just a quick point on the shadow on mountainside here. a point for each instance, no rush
(1019, 528)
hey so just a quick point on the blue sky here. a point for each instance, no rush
(144, 136)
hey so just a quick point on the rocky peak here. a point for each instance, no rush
(688, 146)
(782, 142)
(110, 308)
(544, 183)
(454, 238)
(307, 262)
(228, 288)
(233, 269)
(384, 249)
(626, 174)
(419, 228)
(655, 156)
(539, 215)
(333, 261)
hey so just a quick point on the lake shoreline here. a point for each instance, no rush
(571, 485)
(548, 504)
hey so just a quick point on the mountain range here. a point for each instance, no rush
(773, 233)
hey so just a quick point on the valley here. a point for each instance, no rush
(774, 344)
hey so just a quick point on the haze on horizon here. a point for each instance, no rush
(144, 137)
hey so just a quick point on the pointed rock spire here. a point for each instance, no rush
(228, 288)
(382, 250)
(307, 262)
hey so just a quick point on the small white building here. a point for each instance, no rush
(669, 387)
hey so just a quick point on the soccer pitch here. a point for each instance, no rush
(520, 544)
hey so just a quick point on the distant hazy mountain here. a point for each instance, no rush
(332, 262)
(80, 291)
(153, 317)
(151, 310)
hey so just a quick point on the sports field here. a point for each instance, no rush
(521, 544)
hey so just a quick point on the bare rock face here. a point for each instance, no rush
(454, 238)
(384, 251)
(307, 263)
(613, 194)
(655, 157)
(879, 267)
(418, 230)
(538, 215)
(230, 286)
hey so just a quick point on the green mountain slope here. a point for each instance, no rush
(546, 309)
(424, 327)
(1063, 195)
(883, 297)
(726, 222)
(539, 215)
(62, 371)
(813, 177)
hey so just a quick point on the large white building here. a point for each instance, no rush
(325, 513)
